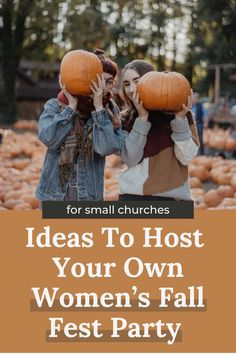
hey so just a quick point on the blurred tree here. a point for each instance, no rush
(85, 26)
(177, 17)
(128, 31)
(193, 39)
(13, 16)
(212, 35)
(42, 33)
(113, 26)
(44, 29)
(27, 27)
(158, 38)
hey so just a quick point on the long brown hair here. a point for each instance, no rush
(130, 114)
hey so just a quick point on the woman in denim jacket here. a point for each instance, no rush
(78, 134)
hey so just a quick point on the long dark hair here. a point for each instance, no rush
(130, 114)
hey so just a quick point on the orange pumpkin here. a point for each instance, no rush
(199, 171)
(31, 200)
(111, 197)
(225, 191)
(227, 202)
(203, 161)
(230, 144)
(166, 91)
(11, 203)
(22, 206)
(195, 182)
(224, 178)
(78, 69)
(212, 198)
(233, 182)
(108, 173)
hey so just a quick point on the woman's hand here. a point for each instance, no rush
(142, 112)
(98, 91)
(73, 101)
(187, 108)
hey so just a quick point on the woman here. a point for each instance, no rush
(110, 71)
(159, 146)
(78, 134)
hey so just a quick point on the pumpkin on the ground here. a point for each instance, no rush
(212, 198)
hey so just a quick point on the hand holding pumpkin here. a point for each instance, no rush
(98, 90)
(187, 108)
(73, 100)
(142, 112)
(157, 91)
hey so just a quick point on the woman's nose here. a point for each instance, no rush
(132, 88)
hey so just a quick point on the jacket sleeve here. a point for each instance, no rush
(185, 138)
(134, 142)
(106, 139)
(55, 125)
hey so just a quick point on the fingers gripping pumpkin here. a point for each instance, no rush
(78, 69)
(163, 91)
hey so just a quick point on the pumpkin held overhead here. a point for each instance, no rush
(166, 91)
(78, 69)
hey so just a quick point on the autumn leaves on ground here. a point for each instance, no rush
(212, 179)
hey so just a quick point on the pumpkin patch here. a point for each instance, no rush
(21, 159)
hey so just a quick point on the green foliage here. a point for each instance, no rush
(13, 15)
(41, 31)
(44, 30)
(85, 27)
(212, 35)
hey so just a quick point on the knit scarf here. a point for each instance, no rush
(80, 139)
(78, 142)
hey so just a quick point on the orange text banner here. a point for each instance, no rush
(118, 285)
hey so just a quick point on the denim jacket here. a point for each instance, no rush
(54, 126)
